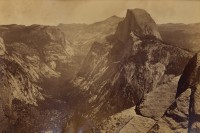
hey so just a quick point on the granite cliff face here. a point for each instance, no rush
(131, 67)
(36, 63)
(190, 80)
(172, 106)
(31, 68)
(183, 114)
(82, 36)
(43, 48)
(16, 83)
(137, 23)
(127, 81)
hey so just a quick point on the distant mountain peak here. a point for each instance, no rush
(113, 17)
(138, 22)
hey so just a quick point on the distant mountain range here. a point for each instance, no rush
(120, 75)
(185, 36)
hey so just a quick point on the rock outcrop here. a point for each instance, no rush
(48, 41)
(126, 121)
(183, 114)
(130, 67)
(82, 36)
(128, 70)
(44, 48)
(15, 83)
(175, 118)
(190, 79)
(32, 59)
(139, 23)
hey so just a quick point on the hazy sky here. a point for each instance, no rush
(53, 12)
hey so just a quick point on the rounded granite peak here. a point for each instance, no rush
(139, 23)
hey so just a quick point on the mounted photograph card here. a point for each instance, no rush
(99, 66)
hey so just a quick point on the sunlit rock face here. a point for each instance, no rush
(82, 36)
(127, 65)
(44, 48)
(30, 69)
(39, 50)
(138, 22)
(130, 67)
(35, 64)
(183, 114)
(126, 121)
(175, 118)
(16, 82)
(48, 41)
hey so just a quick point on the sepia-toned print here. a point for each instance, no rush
(99, 66)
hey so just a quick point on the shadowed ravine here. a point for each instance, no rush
(120, 75)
